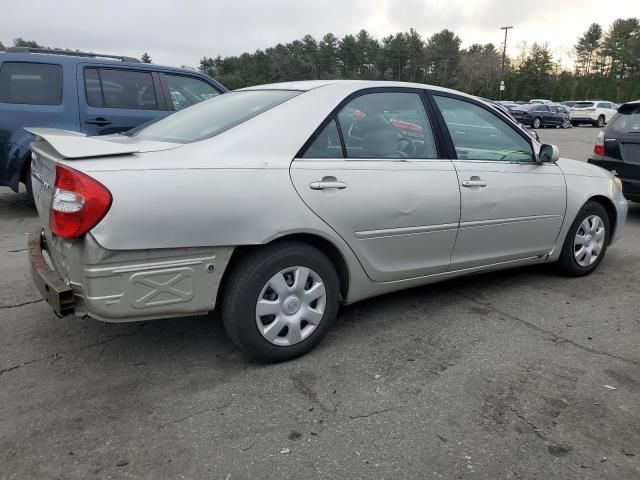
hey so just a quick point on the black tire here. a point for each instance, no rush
(537, 123)
(600, 122)
(245, 284)
(575, 124)
(567, 263)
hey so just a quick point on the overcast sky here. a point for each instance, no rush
(177, 32)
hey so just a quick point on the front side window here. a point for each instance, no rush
(31, 83)
(187, 91)
(387, 125)
(221, 113)
(478, 134)
(111, 88)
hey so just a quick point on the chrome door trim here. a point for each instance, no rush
(505, 221)
(394, 232)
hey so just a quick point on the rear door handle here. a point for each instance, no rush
(100, 122)
(326, 183)
(474, 183)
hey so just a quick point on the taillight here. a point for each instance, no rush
(79, 202)
(599, 148)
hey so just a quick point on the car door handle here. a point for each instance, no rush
(326, 183)
(474, 183)
(100, 122)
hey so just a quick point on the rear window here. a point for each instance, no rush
(112, 88)
(31, 83)
(583, 105)
(214, 116)
(626, 122)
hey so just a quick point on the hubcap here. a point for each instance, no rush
(290, 306)
(589, 240)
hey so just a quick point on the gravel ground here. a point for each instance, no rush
(519, 374)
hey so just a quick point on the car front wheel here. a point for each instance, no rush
(586, 242)
(280, 301)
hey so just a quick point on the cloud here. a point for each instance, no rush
(181, 32)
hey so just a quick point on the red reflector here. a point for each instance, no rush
(599, 150)
(79, 202)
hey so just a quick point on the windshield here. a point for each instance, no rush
(211, 117)
(627, 121)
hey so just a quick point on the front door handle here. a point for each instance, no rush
(100, 122)
(474, 182)
(327, 182)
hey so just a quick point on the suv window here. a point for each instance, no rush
(478, 134)
(31, 83)
(327, 143)
(111, 88)
(541, 108)
(187, 91)
(387, 125)
(583, 105)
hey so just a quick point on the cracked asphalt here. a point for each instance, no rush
(519, 374)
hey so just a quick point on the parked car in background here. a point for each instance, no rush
(538, 115)
(539, 100)
(618, 148)
(593, 112)
(505, 111)
(569, 103)
(564, 111)
(509, 105)
(375, 187)
(89, 93)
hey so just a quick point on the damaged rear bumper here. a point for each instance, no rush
(52, 288)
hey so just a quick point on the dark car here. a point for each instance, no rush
(538, 115)
(88, 93)
(563, 110)
(618, 148)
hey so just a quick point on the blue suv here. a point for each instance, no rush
(85, 92)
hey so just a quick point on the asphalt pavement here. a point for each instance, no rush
(520, 374)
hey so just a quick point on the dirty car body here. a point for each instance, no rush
(354, 188)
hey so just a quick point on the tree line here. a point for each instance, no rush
(607, 63)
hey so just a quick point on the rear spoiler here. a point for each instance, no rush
(77, 145)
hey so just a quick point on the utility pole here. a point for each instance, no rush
(504, 58)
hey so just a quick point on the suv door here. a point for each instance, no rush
(117, 99)
(511, 206)
(372, 172)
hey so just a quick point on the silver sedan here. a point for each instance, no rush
(278, 203)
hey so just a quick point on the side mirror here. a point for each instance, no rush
(548, 153)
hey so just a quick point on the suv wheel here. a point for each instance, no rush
(586, 242)
(600, 122)
(280, 301)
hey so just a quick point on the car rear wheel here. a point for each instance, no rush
(586, 242)
(536, 123)
(600, 122)
(280, 301)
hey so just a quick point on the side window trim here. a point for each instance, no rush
(447, 136)
(333, 115)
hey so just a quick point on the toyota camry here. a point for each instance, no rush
(276, 204)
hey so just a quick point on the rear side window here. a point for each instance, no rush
(111, 88)
(210, 118)
(627, 121)
(327, 144)
(31, 83)
(187, 91)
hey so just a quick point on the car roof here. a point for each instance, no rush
(354, 85)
